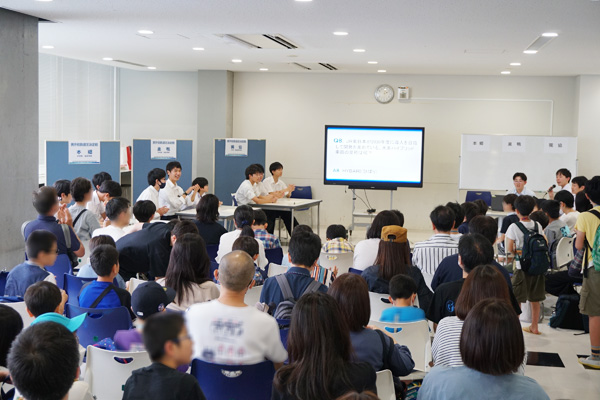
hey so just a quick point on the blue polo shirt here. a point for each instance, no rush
(50, 224)
(298, 278)
(450, 271)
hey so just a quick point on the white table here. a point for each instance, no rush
(225, 214)
(290, 204)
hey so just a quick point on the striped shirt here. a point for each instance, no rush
(446, 343)
(337, 246)
(427, 255)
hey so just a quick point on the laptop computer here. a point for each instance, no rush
(497, 202)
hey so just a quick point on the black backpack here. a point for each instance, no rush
(567, 315)
(285, 308)
(535, 257)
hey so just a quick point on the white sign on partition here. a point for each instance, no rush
(556, 145)
(163, 149)
(236, 147)
(478, 143)
(84, 152)
(513, 144)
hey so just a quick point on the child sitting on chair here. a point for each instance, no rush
(403, 293)
(337, 240)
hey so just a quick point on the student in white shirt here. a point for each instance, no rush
(96, 204)
(85, 222)
(226, 330)
(243, 218)
(202, 184)
(520, 180)
(563, 181)
(275, 185)
(119, 215)
(366, 251)
(569, 215)
(173, 196)
(156, 181)
(246, 193)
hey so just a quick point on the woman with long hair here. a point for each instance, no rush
(365, 251)
(393, 258)
(320, 352)
(207, 219)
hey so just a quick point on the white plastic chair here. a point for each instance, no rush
(385, 385)
(564, 253)
(415, 336)
(107, 376)
(21, 308)
(276, 269)
(377, 306)
(253, 296)
(343, 261)
(133, 284)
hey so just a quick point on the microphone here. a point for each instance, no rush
(549, 190)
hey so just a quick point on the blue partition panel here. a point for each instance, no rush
(229, 171)
(142, 164)
(58, 167)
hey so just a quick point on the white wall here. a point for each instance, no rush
(290, 111)
(588, 121)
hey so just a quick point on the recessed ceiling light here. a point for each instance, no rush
(107, 59)
(151, 67)
(515, 64)
(47, 47)
(359, 50)
(198, 48)
(236, 60)
(530, 51)
(550, 34)
(381, 70)
(371, 62)
(145, 32)
(264, 69)
(340, 33)
(505, 72)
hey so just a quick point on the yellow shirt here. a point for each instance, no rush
(588, 223)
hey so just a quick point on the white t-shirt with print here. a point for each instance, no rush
(514, 233)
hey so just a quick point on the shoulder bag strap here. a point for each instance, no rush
(387, 350)
(67, 234)
(102, 295)
(284, 285)
(312, 287)
(79, 216)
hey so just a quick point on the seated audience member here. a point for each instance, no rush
(519, 181)
(249, 245)
(491, 331)
(169, 346)
(556, 229)
(483, 207)
(305, 249)
(147, 299)
(96, 204)
(474, 249)
(44, 362)
(11, 324)
(567, 208)
(117, 211)
(248, 193)
(41, 251)
(86, 270)
(243, 218)
(45, 203)
(63, 190)
(201, 184)
(403, 293)
(539, 217)
(85, 222)
(400, 217)
(563, 181)
(173, 196)
(586, 229)
(582, 203)
(156, 181)
(427, 255)
(578, 184)
(370, 345)
(450, 271)
(260, 226)
(482, 283)
(458, 219)
(366, 251)
(44, 297)
(508, 206)
(470, 210)
(393, 258)
(189, 273)
(337, 240)
(207, 220)
(228, 323)
(101, 293)
(326, 373)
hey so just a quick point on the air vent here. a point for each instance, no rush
(241, 42)
(328, 66)
(130, 63)
(281, 41)
(259, 41)
(301, 66)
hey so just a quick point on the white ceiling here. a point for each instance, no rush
(466, 37)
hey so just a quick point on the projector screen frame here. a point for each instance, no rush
(374, 185)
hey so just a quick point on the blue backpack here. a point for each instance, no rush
(535, 257)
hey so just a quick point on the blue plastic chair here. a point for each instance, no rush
(61, 266)
(274, 255)
(212, 250)
(356, 271)
(302, 192)
(72, 285)
(234, 382)
(3, 276)
(100, 323)
(485, 196)
(233, 200)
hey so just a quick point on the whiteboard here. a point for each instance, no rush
(488, 162)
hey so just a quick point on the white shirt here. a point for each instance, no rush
(96, 206)
(570, 219)
(233, 335)
(524, 192)
(515, 234)
(226, 244)
(113, 231)
(150, 193)
(245, 193)
(272, 186)
(365, 253)
(260, 189)
(567, 187)
(172, 196)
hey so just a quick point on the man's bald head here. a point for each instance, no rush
(236, 271)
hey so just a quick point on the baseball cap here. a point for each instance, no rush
(150, 298)
(72, 324)
(394, 233)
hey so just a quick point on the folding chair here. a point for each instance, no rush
(564, 253)
(21, 308)
(72, 285)
(276, 269)
(377, 305)
(474, 195)
(61, 266)
(343, 261)
(253, 296)
(385, 385)
(100, 323)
